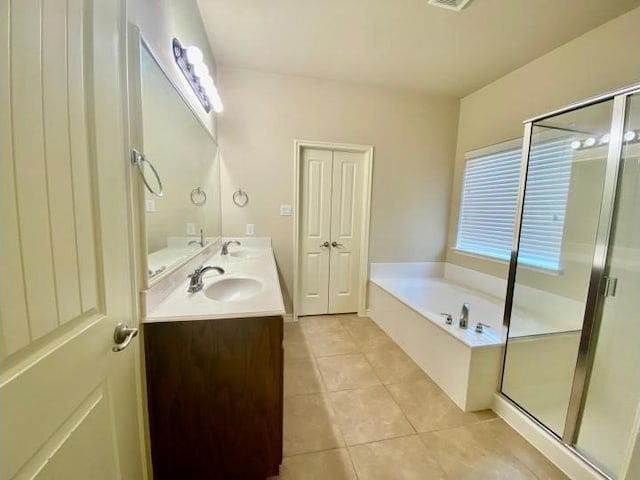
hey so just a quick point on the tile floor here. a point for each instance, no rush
(357, 407)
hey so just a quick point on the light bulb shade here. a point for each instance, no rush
(629, 136)
(207, 82)
(216, 103)
(604, 139)
(576, 144)
(201, 70)
(194, 55)
(211, 90)
(590, 142)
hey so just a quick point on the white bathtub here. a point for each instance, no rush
(464, 363)
(431, 297)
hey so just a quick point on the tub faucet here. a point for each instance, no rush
(195, 283)
(464, 316)
(225, 246)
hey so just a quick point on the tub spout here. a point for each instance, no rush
(464, 316)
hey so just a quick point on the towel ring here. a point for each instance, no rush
(198, 192)
(240, 198)
(138, 159)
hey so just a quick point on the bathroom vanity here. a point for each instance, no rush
(212, 346)
(214, 364)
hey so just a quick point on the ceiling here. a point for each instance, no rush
(405, 44)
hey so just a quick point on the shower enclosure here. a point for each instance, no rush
(572, 359)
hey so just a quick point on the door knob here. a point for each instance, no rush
(122, 336)
(325, 245)
(335, 244)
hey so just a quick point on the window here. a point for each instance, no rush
(489, 198)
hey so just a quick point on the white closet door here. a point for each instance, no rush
(315, 225)
(346, 220)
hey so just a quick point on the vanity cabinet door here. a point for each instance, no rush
(215, 398)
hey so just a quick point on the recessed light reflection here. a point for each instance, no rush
(630, 136)
(590, 142)
(576, 144)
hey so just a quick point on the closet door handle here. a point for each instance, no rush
(335, 244)
(325, 245)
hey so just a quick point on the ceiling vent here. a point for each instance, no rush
(456, 5)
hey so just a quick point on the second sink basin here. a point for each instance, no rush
(233, 289)
(245, 253)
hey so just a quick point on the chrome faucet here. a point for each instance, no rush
(198, 242)
(464, 316)
(225, 246)
(196, 284)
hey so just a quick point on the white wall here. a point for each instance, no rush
(603, 59)
(162, 20)
(413, 136)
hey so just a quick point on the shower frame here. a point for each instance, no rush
(599, 268)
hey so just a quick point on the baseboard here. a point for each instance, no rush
(288, 318)
(572, 465)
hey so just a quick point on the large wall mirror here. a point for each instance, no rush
(186, 217)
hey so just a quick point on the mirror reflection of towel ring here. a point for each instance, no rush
(138, 159)
(240, 198)
(198, 197)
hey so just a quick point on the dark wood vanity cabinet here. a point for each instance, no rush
(215, 398)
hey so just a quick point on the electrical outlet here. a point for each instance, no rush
(191, 228)
(149, 206)
(285, 210)
(249, 229)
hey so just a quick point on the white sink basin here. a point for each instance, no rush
(245, 253)
(234, 289)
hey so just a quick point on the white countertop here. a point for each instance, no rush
(181, 305)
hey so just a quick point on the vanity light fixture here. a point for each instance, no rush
(191, 63)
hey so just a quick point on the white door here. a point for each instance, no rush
(330, 231)
(68, 404)
(346, 221)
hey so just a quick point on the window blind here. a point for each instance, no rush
(489, 198)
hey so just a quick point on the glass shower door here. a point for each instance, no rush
(613, 393)
(558, 231)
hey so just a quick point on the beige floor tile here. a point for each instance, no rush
(326, 465)
(524, 451)
(392, 365)
(324, 323)
(369, 337)
(404, 458)
(368, 414)
(309, 425)
(301, 376)
(473, 452)
(341, 372)
(336, 342)
(292, 331)
(297, 349)
(428, 408)
(354, 319)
